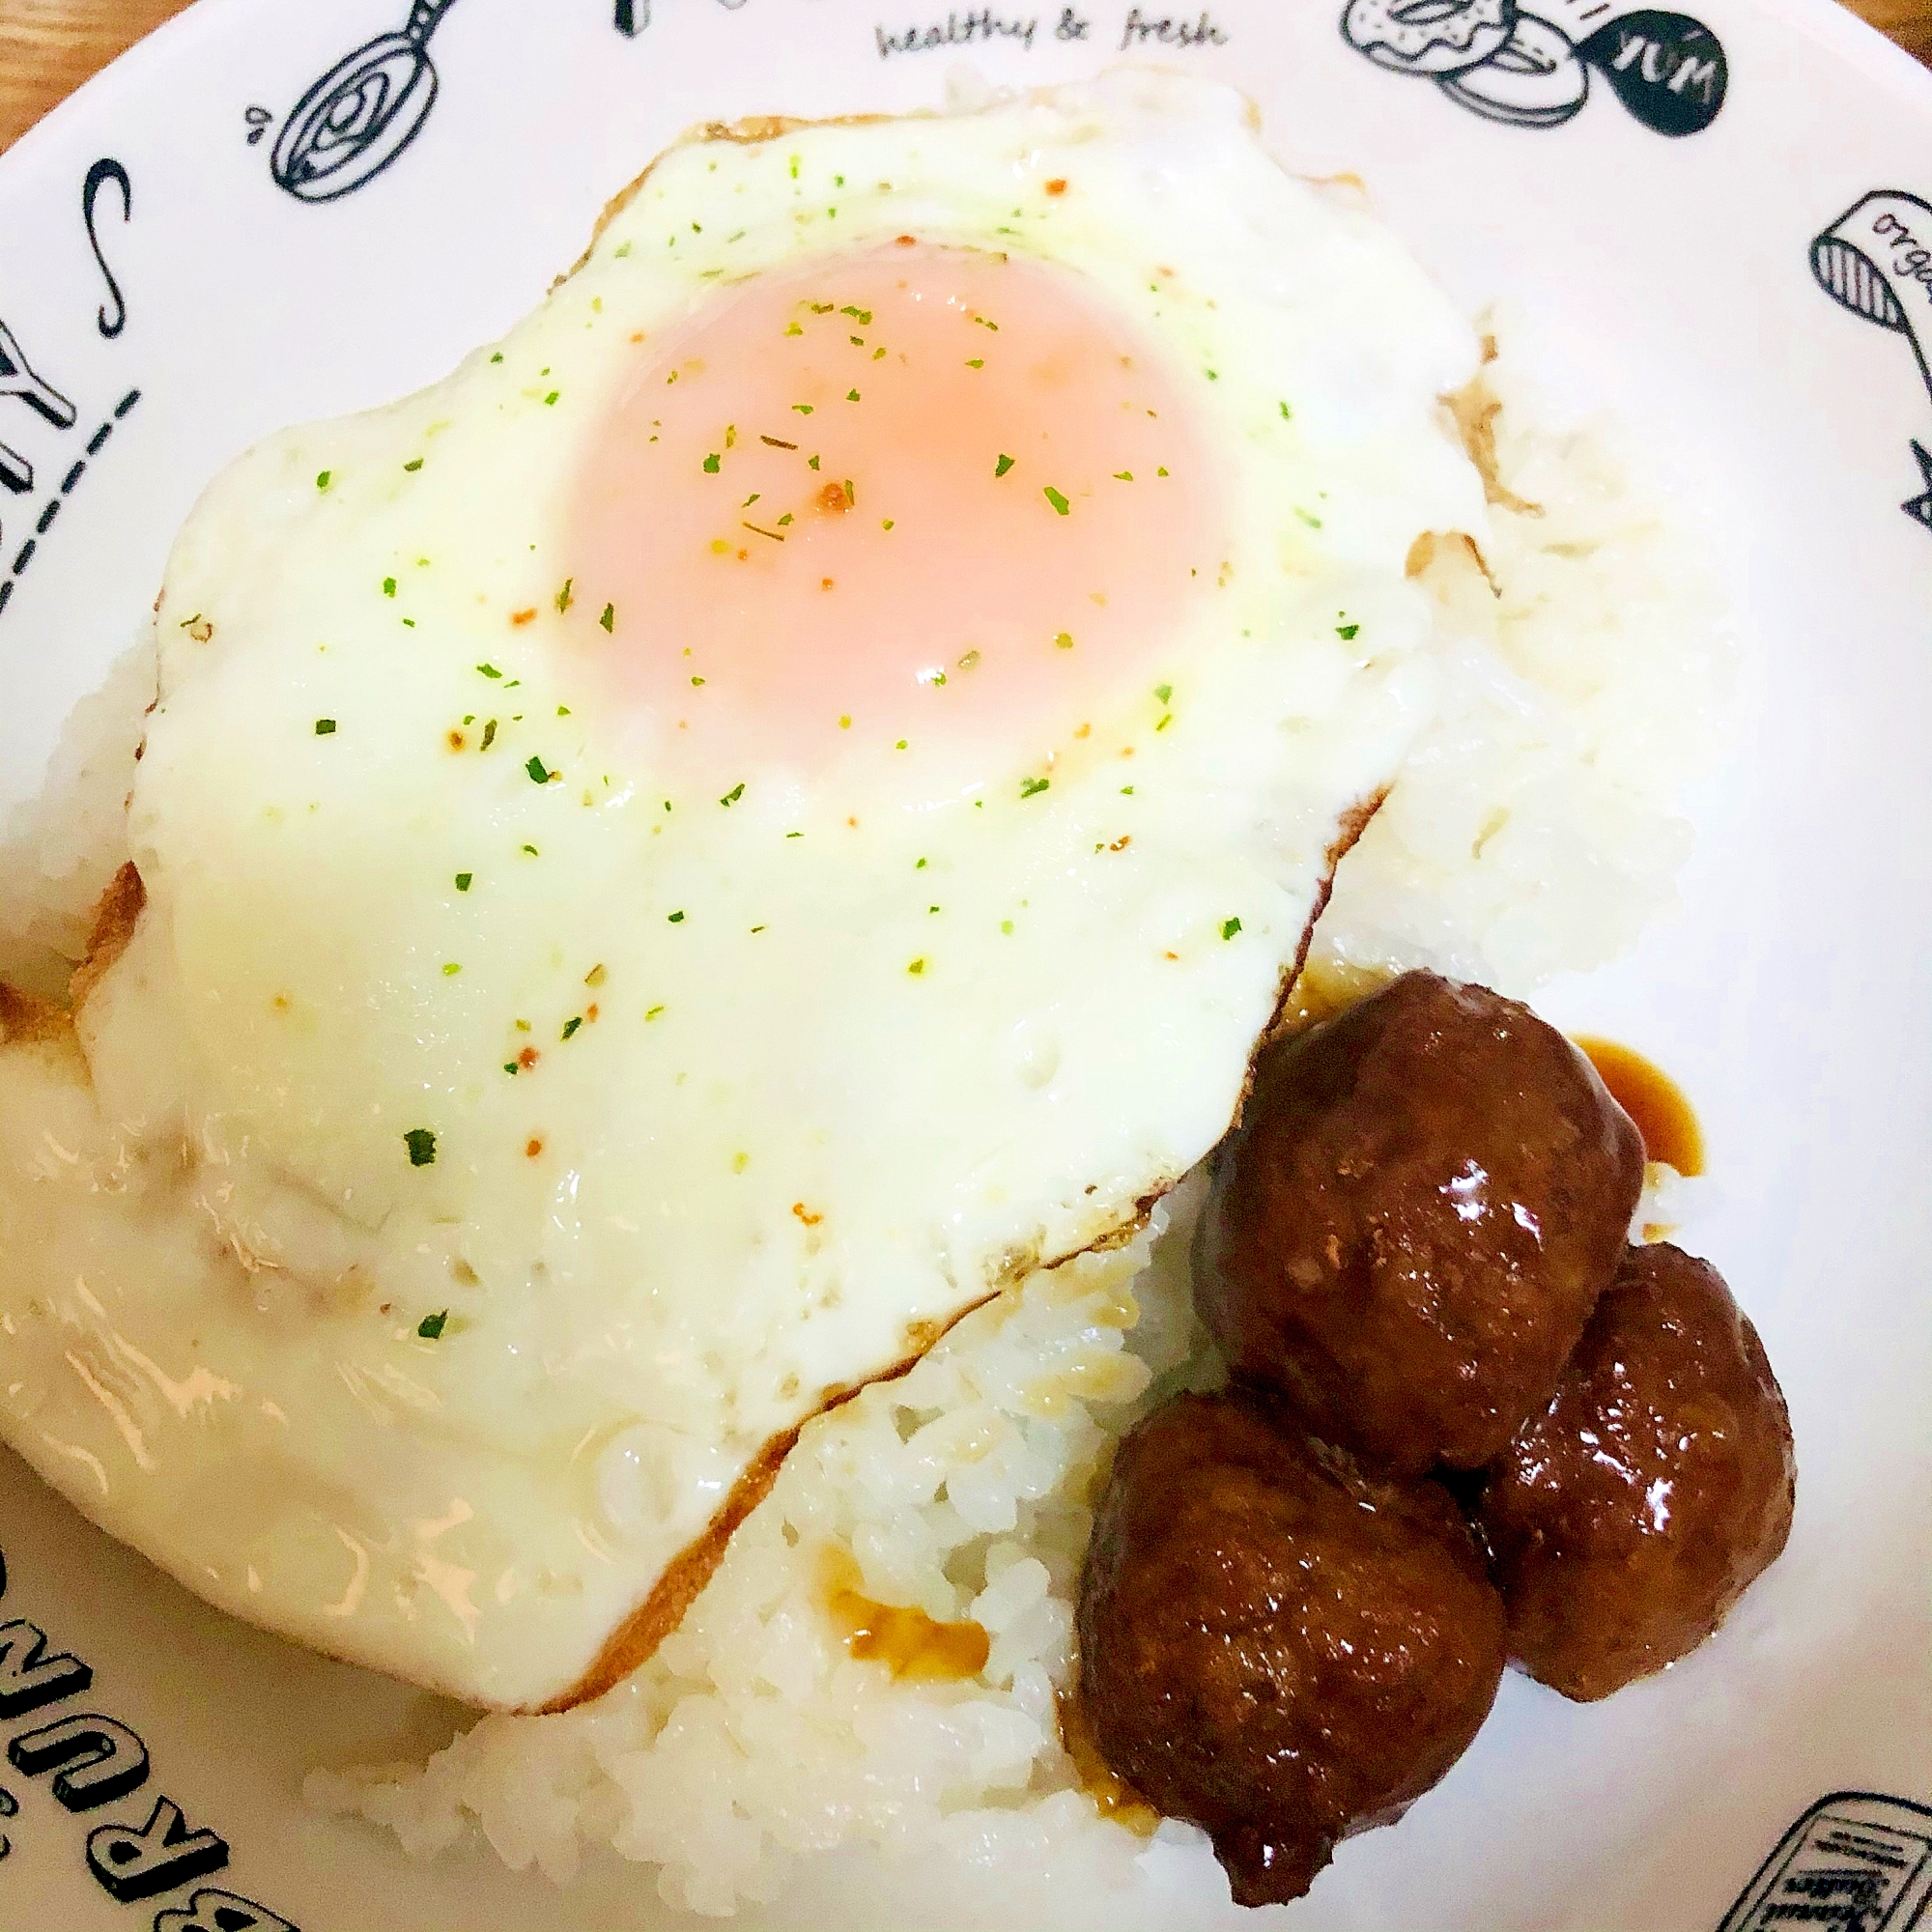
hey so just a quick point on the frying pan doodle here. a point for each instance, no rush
(358, 118)
(362, 113)
(1876, 260)
(1532, 70)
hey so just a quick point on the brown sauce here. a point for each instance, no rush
(1113, 1797)
(908, 1641)
(1651, 1099)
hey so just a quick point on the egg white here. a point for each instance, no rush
(867, 1044)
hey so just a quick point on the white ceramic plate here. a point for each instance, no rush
(1720, 228)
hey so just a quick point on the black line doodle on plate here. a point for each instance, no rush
(1532, 70)
(362, 113)
(106, 170)
(24, 557)
(1856, 1859)
(357, 119)
(17, 379)
(1876, 260)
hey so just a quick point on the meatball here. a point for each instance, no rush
(1629, 1515)
(1274, 1644)
(1410, 1227)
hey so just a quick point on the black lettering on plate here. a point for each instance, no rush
(95, 1759)
(1139, 28)
(213, 1911)
(1856, 1859)
(30, 1677)
(131, 1862)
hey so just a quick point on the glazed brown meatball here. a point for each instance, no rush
(1406, 1234)
(1629, 1515)
(1272, 1644)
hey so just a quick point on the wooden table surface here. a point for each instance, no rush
(47, 48)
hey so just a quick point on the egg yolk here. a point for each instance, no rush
(914, 494)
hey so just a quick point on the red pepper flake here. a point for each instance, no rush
(1056, 186)
(523, 616)
(806, 1215)
(533, 1146)
(528, 1057)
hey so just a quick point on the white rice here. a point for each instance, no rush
(1532, 831)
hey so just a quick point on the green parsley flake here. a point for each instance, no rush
(1124, 476)
(570, 1026)
(675, 919)
(325, 727)
(1163, 692)
(732, 796)
(1347, 632)
(1059, 503)
(531, 850)
(916, 966)
(1286, 413)
(1314, 523)
(1001, 467)
(563, 597)
(539, 774)
(1006, 925)
(811, 462)
(388, 586)
(610, 617)
(413, 466)
(421, 1143)
(463, 881)
(498, 357)
(1229, 928)
(322, 477)
(805, 410)
(711, 463)
(697, 680)
(975, 363)
(1064, 641)
(489, 734)
(652, 1012)
(851, 395)
(1126, 791)
(919, 867)
(886, 526)
(489, 670)
(1029, 786)
(450, 968)
(550, 401)
(430, 1327)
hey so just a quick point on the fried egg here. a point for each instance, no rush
(769, 802)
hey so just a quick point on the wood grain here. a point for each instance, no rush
(47, 48)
